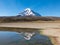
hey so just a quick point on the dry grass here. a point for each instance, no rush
(16, 29)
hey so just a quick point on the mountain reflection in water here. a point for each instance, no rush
(14, 38)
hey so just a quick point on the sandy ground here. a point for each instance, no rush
(50, 29)
(32, 25)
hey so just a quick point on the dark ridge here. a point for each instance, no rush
(28, 18)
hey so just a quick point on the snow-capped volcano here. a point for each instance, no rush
(29, 12)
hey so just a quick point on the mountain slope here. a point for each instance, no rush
(29, 12)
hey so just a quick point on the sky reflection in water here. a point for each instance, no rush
(14, 38)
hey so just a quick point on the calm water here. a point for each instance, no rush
(14, 38)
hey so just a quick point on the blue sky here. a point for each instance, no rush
(44, 7)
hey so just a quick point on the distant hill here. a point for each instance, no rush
(27, 19)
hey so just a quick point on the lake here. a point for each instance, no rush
(15, 38)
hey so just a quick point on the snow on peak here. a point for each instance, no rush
(29, 12)
(28, 9)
